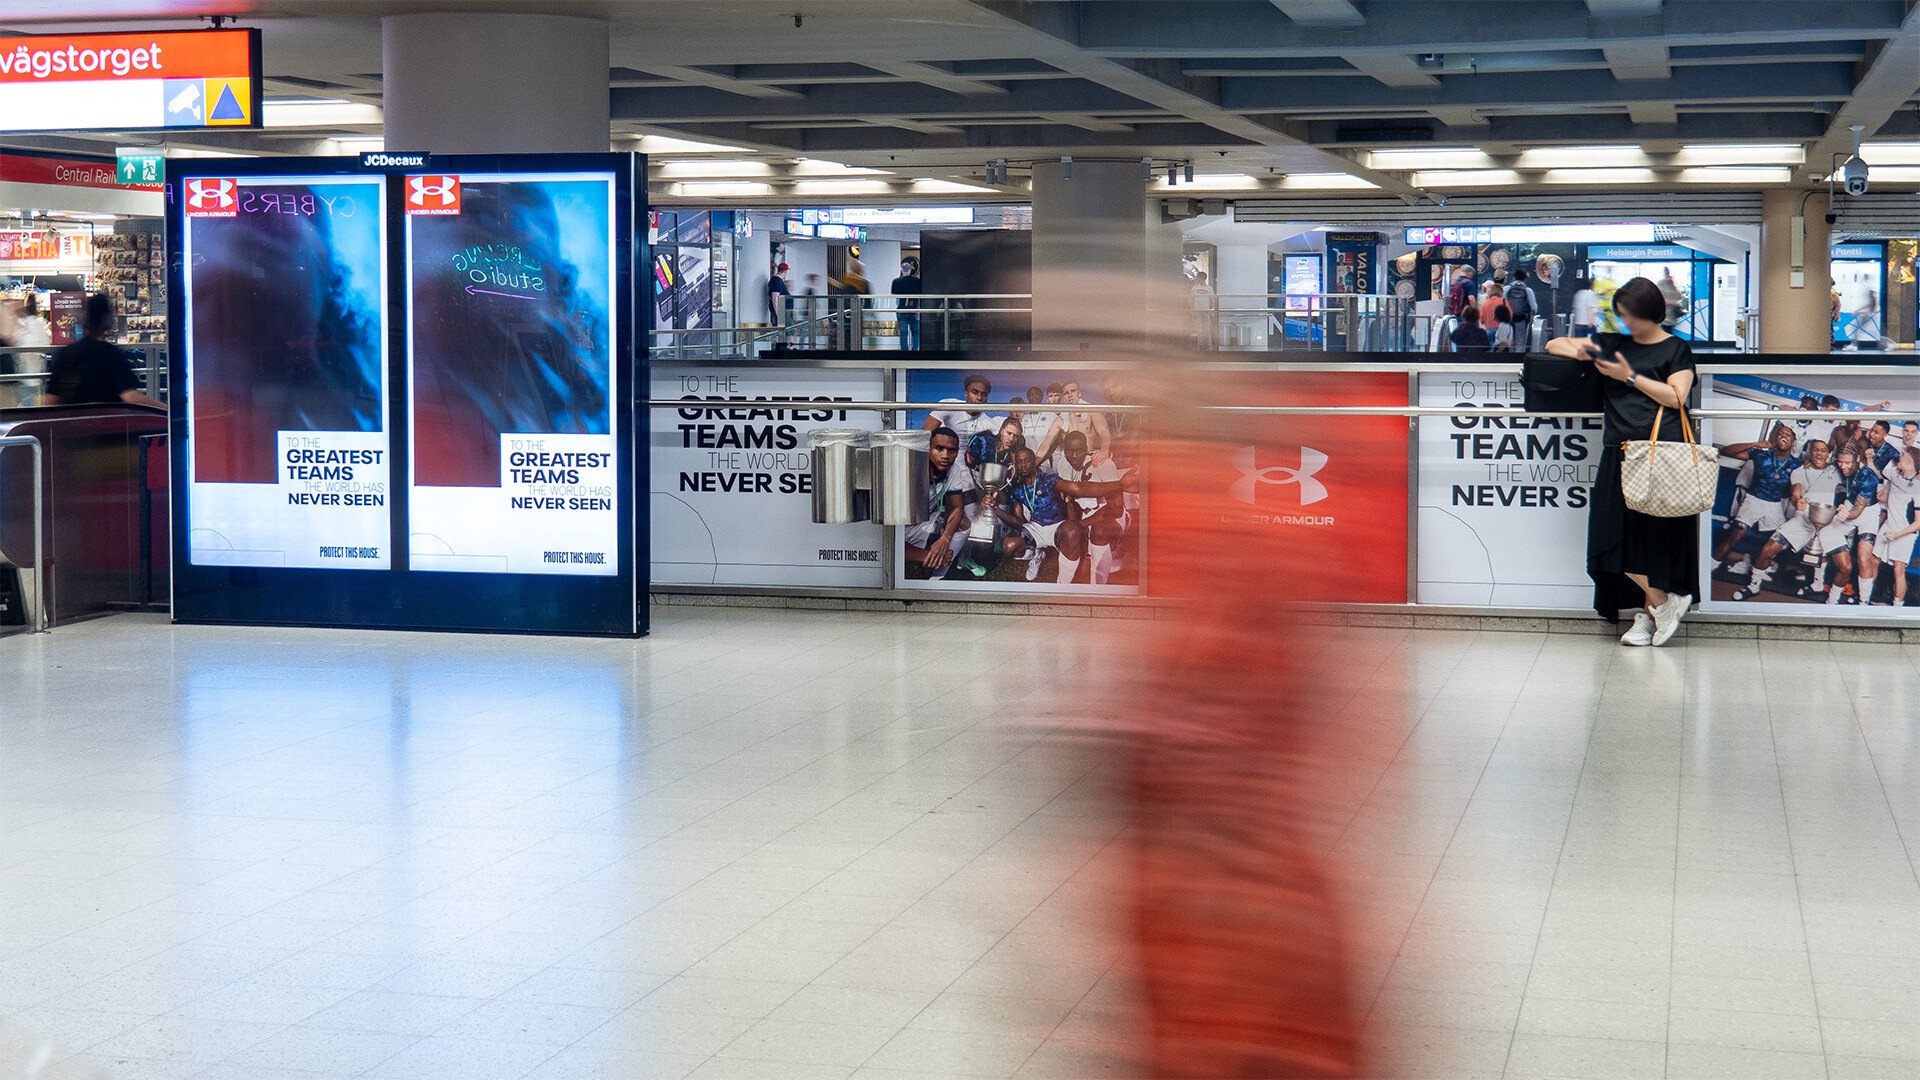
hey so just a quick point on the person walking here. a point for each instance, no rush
(1635, 559)
(907, 312)
(1489, 302)
(94, 370)
(1519, 298)
(1586, 309)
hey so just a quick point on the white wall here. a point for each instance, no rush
(752, 264)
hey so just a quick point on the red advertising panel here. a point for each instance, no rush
(1323, 498)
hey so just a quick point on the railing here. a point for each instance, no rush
(23, 371)
(37, 619)
(943, 322)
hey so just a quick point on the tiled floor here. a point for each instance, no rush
(783, 844)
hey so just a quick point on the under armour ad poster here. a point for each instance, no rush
(1818, 511)
(510, 340)
(1503, 498)
(733, 478)
(1323, 497)
(285, 352)
(1025, 493)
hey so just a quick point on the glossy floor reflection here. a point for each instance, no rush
(830, 844)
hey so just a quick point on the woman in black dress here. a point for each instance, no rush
(1638, 561)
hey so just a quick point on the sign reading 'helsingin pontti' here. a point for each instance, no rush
(130, 82)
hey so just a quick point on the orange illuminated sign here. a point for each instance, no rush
(124, 82)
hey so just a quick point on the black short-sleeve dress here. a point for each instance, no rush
(1622, 541)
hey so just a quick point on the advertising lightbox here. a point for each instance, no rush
(404, 398)
(511, 380)
(167, 79)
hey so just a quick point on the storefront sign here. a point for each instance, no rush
(1503, 499)
(45, 245)
(1610, 233)
(903, 215)
(1638, 253)
(1352, 262)
(1859, 252)
(57, 171)
(65, 311)
(733, 485)
(162, 79)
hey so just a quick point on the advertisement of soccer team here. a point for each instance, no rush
(1024, 485)
(1815, 511)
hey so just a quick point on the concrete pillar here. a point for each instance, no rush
(470, 83)
(1794, 318)
(1098, 247)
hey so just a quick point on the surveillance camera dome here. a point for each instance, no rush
(1854, 174)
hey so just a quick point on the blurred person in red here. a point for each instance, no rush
(1247, 738)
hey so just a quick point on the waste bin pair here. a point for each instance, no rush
(878, 476)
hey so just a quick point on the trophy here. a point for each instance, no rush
(992, 472)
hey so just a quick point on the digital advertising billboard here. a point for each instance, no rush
(511, 380)
(402, 393)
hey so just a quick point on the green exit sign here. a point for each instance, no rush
(140, 166)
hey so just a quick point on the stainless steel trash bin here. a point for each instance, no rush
(838, 494)
(899, 477)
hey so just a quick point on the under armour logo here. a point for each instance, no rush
(1311, 462)
(433, 194)
(211, 194)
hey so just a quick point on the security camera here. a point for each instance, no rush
(1854, 174)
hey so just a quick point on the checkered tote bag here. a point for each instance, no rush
(1669, 479)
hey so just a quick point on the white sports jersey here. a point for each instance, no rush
(1902, 494)
(965, 423)
(1820, 487)
(1105, 472)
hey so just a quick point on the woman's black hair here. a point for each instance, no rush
(1641, 299)
(1502, 313)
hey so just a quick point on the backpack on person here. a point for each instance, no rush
(1519, 300)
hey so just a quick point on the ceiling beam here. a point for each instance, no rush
(1086, 123)
(1391, 68)
(1322, 12)
(1653, 112)
(703, 77)
(1609, 9)
(681, 104)
(932, 75)
(1164, 85)
(1761, 83)
(1888, 79)
(1638, 60)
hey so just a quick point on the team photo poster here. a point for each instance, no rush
(1814, 511)
(1025, 492)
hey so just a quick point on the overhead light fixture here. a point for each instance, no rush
(1599, 176)
(1189, 171)
(1740, 154)
(1173, 175)
(1429, 157)
(1465, 178)
(1579, 157)
(712, 167)
(1736, 174)
(1894, 174)
(1146, 169)
(1891, 153)
(722, 189)
(841, 187)
(1218, 182)
(946, 187)
(1066, 168)
(1324, 181)
(667, 144)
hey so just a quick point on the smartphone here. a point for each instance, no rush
(1595, 352)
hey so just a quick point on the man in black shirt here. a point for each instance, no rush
(908, 284)
(93, 370)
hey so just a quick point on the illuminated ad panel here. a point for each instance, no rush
(126, 82)
(286, 354)
(511, 380)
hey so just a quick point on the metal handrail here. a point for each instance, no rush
(38, 623)
(1254, 410)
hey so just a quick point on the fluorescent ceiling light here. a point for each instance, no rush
(1213, 182)
(1894, 174)
(1599, 176)
(663, 144)
(308, 101)
(1736, 174)
(1323, 181)
(1578, 157)
(841, 187)
(1891, 153)
(1425, 157)
(945, 187)
(1465, 177)
(722, 189)
(1740, 154)
(817, 167)
(281, 114)
(671, 170)
(360, 144)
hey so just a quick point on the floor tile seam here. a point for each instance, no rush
(1799, 894)
(1559, 861)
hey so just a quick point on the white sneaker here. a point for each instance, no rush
(1666, 618)
(1641, 633)
(1742, 568)
(1033, 566)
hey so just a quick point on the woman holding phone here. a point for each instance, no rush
(1636, 560)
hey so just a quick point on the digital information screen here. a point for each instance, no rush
(286, 353)
(511, 381)
(402, 392)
